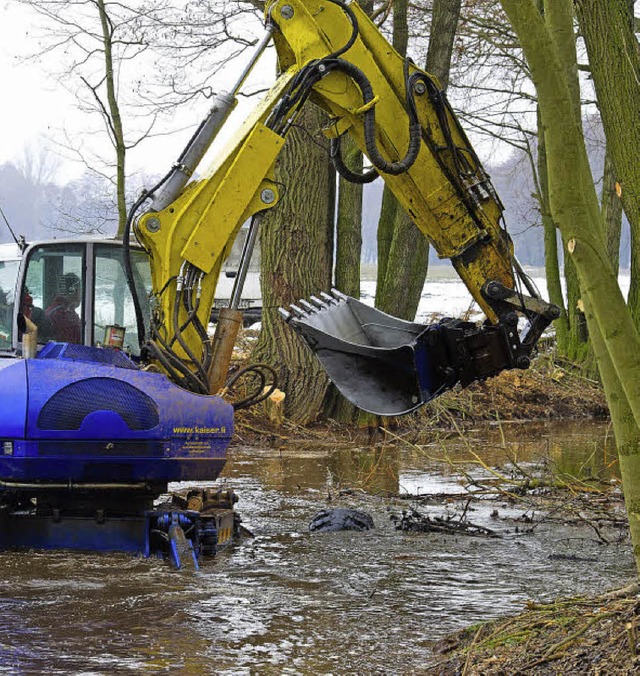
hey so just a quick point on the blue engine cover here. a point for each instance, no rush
(85, 419)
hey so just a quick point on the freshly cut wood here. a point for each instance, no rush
(274, 406)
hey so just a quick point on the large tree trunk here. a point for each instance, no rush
(296, 249)
(607, 28)
(575, 206)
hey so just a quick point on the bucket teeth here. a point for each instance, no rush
(330, 300)
(314, 306)
(298, 311)
(317, 302)
(338, 295)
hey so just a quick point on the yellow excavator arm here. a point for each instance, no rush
(330, 52)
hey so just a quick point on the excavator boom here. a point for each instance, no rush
(91, 438)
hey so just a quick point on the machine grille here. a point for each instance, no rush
(72, 404)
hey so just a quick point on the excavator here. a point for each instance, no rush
(98, 419)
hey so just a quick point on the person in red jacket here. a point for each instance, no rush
(61, 313)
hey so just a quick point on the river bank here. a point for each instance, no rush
(546, 391)
(597, 635)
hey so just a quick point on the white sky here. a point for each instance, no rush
(32, 103)
(36, 105)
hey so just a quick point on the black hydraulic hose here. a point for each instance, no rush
(372, 174)
(178, 334)
(174, 364)
(128, 268)
(194, 281)
(441, 107)
(355, 29)
(193, 319)
(175, 368)
(344, 171)
(260, 393)
(376, 158)
(299, 87)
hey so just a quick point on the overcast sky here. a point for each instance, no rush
(32, 103)
(36, 105)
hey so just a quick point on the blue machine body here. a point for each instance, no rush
(90, 415)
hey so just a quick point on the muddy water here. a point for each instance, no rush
(287, 602)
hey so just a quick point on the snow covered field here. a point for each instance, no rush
(446, 295)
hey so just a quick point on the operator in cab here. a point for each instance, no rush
(61, 314)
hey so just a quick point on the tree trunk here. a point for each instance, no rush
(387, 233)
(607, 28)
(574, 204)
(349, 225)
(406, 268)
(611, 207)
(444, 22)
(386, 223)
(403, 253)
(347, 264)
(576, 347)
(113, 118)
(296, 249)
(551, 253)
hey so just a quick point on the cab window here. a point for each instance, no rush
(8, 276)
(53, 291)
(113, 304)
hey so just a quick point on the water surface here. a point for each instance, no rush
(288, 602)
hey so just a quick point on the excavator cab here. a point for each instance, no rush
(76, 292)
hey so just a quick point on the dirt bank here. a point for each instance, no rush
(571, 636)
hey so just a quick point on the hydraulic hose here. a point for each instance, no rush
(344, 171)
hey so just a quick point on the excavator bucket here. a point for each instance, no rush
(381, 364)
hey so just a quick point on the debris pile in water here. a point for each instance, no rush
(415, 522)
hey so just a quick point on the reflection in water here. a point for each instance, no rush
(288, 602)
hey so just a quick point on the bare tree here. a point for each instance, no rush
(128, 63)
(93, 43)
